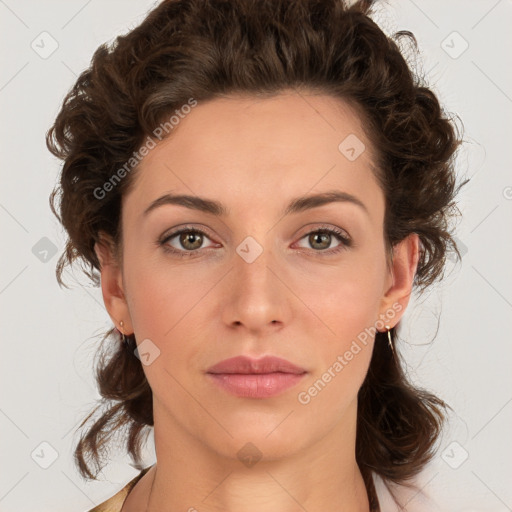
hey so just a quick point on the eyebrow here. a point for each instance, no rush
(297, 205)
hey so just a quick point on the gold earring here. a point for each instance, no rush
(121, 323)
(390, 342)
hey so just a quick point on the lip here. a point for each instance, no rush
(256, 378)
(248, 365)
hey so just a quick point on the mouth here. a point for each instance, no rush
(256, 378)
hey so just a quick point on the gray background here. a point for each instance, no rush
(50, 335)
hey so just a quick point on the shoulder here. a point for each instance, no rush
(115, 503)
(416, 499)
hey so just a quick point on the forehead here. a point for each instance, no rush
(260, 149)
(287, 121)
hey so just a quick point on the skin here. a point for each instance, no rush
(294, 301)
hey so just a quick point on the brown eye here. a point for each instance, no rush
(191, 240)
(185, 242)
(322, 239)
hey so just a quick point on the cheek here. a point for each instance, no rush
(168, 305)
(344, 300)
(328, 395)
(348, 316)
(160, 296)
(161, 306)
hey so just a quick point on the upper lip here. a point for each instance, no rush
(248, 365)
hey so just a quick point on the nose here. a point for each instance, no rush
(255, 296)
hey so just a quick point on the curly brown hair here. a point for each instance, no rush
(207, 49)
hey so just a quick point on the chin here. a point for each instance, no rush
(251, 450)
(260, 438)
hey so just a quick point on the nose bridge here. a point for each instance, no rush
(256, 297)
(253, 263)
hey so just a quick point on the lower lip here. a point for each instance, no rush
(262, 385)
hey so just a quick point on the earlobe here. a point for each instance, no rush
(403, 269)
(112, 286)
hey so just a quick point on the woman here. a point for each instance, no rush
(261, 185)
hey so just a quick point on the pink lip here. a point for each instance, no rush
(256, 378)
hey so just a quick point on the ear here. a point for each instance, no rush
(112, 285)
(399, 282)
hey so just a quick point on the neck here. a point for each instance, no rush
(191, 476)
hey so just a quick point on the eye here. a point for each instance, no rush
(188, 241)
(321, 239)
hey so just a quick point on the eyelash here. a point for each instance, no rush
(346, 242)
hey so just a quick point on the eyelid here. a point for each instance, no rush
(327, 227)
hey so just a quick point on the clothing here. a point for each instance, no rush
(115, 503)
(383, 502)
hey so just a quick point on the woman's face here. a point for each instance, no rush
(255, 277)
